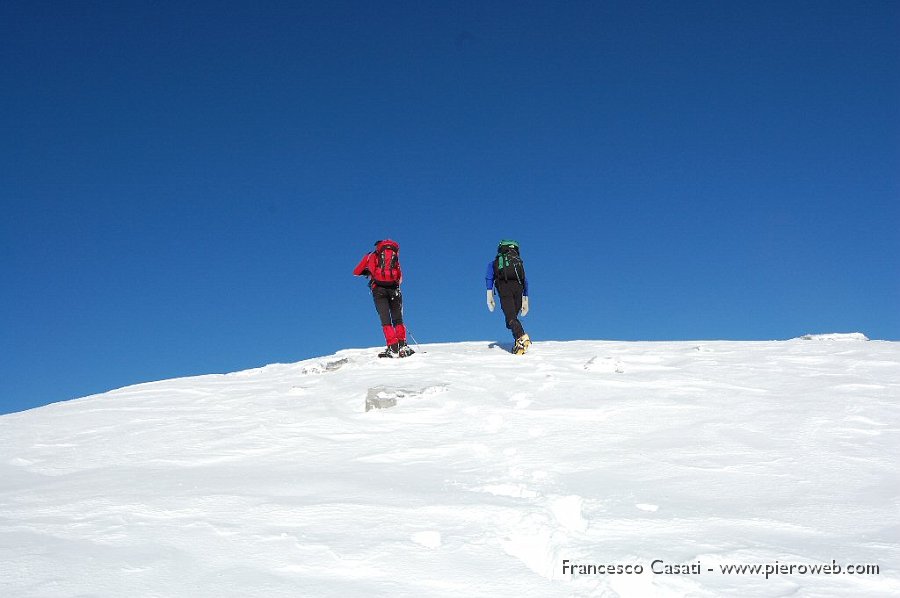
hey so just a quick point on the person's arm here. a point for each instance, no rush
(362, 268)
(489, 276)
(489, 283)
(524, 311)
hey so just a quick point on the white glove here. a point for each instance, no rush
(524, 311)
(490, 299)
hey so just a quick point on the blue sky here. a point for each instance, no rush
(186, 187)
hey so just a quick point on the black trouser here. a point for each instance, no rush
(510, 292)
(389, 303)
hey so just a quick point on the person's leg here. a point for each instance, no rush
(396, 300)
(399, 328)
(511, 304)
(381, 296)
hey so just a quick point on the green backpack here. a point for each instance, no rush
(508, 263)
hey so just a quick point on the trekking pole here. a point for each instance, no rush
(413, 337)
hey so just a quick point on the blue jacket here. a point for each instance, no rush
(489, 279)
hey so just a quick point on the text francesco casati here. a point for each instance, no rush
(661, 567)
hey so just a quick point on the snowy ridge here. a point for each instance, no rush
(852, 336)
(487, 474)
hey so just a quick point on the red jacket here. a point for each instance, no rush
(369, 264)
(365, 265)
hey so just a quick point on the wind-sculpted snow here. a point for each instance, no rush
(852, 336)
(480, 473)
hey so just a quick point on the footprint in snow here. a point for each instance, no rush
(521, 400)
(325, 366)
(383, 397)
(605, 365)
(568, 512)
(428, 539)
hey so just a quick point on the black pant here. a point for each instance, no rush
(389, 303)
(510, 292)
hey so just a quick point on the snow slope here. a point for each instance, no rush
(489, 475)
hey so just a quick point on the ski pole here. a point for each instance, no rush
(413, 337)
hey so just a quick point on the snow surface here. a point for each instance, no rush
(486, 475)
(851, 336)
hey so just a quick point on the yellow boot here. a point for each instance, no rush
(522, 344)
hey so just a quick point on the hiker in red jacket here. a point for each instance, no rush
(382, 266)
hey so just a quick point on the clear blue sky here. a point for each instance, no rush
(186, 186)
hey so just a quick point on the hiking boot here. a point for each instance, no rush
(522, 344)
(391, 351)
(405, 350)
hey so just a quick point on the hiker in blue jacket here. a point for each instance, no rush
(506, 274)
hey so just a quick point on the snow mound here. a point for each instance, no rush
(581, 469)
(835, 336)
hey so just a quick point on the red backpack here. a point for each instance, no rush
(386, 271)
